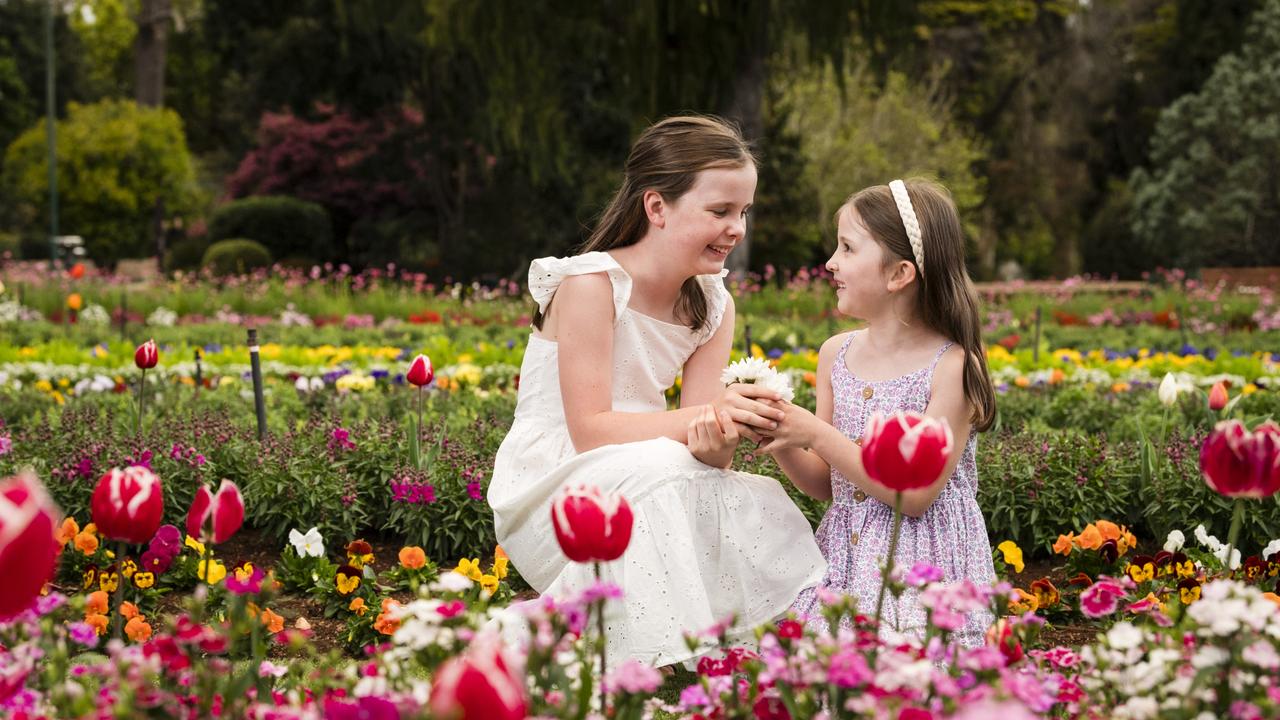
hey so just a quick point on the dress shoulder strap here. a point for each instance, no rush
(546, 274)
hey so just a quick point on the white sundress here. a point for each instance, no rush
(707, 543)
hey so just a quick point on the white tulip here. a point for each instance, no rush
(1168, 391)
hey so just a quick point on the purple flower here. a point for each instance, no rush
(473, 489)
(635, 677)
(922, 573)
(248, 586)
(341, 439)
(155, 562)
(365, 708)
(83, 634)
(49, 603)
(693, 698)
(849, 669)
(85, 467)
(6, 445)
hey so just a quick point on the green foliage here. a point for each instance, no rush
(107, 31)
(236, 256)
(867, 136)
(185, 254)
(116, 162)
(287, 227)
(1210, 196)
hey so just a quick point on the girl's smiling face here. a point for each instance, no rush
(708, 221)
(857, 268)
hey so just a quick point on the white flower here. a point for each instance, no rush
(1138, 708)
(1271, 548)
(452, 582)
(162, 317)
(746, 370)
(95, 315)
(1262, 654)
(758, 371)
(1209, 656)
(1124, 636)
(309, 545)
(1175, 541)
(1168, 392)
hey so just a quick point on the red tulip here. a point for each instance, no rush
(226, 507)
(146, 356)
(128, 504)
(28, 548)
(1218, 396)
(906, 450)
(420, 371)
(478, 685)
(1239, 463)
(590, 526)
(76, 271)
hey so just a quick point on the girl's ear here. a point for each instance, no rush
(655, 208)
(904, 273)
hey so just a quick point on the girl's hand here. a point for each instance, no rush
(797, 429)
(713, 438)
(753, 408)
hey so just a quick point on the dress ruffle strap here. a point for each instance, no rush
(546, 274)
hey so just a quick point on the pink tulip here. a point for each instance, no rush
(146, 356)
(591, 526)
(1218, 396)
(1239, 463)
(420, 371)
(226, 508)
(478, 685)
(28, 549)
(128, 504)
(906, 450)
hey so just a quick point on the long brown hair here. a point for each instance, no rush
(946, 299)
(667, 158)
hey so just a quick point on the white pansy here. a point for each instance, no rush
(1272, 548)
(1175, 541)
(307, 545)
(452, 582)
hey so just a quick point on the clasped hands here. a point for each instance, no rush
(752, 412)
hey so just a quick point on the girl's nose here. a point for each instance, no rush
(831, 264)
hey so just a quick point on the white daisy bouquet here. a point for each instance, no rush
(757, 371)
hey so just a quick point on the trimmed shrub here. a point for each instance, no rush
(186, 254)
(287, 227)
(238, 255)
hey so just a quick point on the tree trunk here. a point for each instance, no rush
(746, 107)
(149, 51)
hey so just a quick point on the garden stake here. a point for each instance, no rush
(1035, 349)
(1182, 324)
(197, 354)
(746, 339)
(142, 393)
(259, 404)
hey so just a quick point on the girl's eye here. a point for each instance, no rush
(719, 213)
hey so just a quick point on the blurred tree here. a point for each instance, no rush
(115, 162)
(1212, 194)
(106, 31)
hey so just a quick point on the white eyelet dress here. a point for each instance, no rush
(707, 543)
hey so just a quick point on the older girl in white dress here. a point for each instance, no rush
(643, 303)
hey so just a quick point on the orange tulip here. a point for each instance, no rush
(1218, 396)
(75, 302)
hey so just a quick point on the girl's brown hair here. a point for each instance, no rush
(667, 158)
(946, 299)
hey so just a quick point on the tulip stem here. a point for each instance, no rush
(117, 595)
(1237, 518)
(604, 706)
(418, 440)
(893, 549)
(142, 391)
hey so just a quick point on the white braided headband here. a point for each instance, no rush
(909, 221)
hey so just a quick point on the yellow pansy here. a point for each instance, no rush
(211, 571)
(195, 544)
(469, 568)
(1012, 555)
(347, 583)
(500, 567)
(489, 583)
